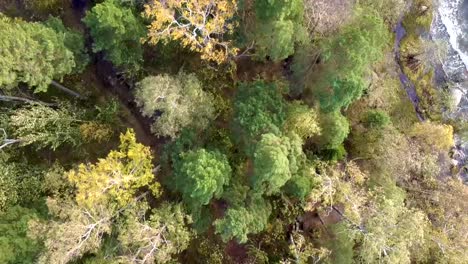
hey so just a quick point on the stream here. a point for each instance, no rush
(112, 84)
(453, 72)
(409, 87)
(450, 26)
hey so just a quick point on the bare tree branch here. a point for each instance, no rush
(6, 141)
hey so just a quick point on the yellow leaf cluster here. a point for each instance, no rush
(117, 178)
(438, 136)
(198, 24)
(93, 131)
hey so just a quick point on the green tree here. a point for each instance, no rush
(43, 6)
(342, 244)
(389, 10)
(345, 57)
(271, 164)
(303, 182)
(32, 53)
(181, 99)
(377, 119)
(55, 182)
(239, 222)
(200, 176)
(43, 126)
(259, 108)
(335, 129)
(73, 40)
(15, 245)
(301, 120)
(118, 32)
(340, 93)
(20, 182)
(8, 185)
(279, 26)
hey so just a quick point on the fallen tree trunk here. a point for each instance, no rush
(21, 99)
(66, 90)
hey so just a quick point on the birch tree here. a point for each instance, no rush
(201, 25)
(146, 240)
(181, 99)
(76, 231)
(392, 233)
(106, 193)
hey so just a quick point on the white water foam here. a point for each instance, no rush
(448, 11)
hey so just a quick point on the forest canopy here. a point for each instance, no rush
(229, 131)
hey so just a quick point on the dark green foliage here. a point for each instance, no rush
(342, 92)
(108, 113)
(334, 154)
(239, 222)
(377, 119)
(258, 108)
(301, 183)
(20, 183)
(345, 58)
(200, 176)
(117, 31)
(74, 41)
(15, 246)
(271, 164)
(210, 252)
(335, 129)
(185, 142)
(43, 7)
(278, 27)
(237, 191)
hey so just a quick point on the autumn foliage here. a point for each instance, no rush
(199, 25)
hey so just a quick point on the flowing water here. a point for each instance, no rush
(450, 25)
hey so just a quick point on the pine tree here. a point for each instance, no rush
(32, 53)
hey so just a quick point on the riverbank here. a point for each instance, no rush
(449, 26)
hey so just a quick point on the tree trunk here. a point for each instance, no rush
(66, 90)
(21, 99)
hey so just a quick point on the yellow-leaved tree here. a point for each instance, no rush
(433, 135)
(199, 25)
(106, 193)
(117, 178)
